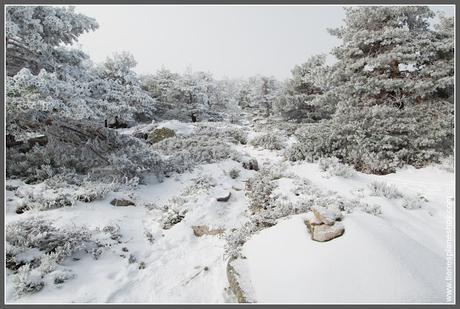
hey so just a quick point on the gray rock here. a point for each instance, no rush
(122, 202)
(224, 199)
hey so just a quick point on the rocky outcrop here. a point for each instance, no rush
(160, 134)
(122, 202)
(323, 225)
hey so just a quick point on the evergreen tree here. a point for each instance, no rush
(35, 35)
(304, 98)
(394, 86)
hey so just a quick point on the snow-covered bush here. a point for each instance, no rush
(85, 147)
(334, 168)
(231, 134)
(43, 200)
(297, 152)
(184, 153)
(236, 238)
(28, 280)
(448, 164)
(381, 188)
(36, 248)
(414, 202)
(271, 141)
(259, 189)
(39, 233)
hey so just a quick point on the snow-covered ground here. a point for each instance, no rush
(397, 256)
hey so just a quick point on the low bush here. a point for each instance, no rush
(271, 141)
(333, 167)
(380, 188)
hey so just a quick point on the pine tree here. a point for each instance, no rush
(304, 98)
(35, 35)
(393, 84)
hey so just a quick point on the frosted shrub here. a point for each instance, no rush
(84, 147)
(236, 238)
(271, 141)
(259, 189)
(333, 167)
(233, 135)
(39, 233)
(380, 188)
(186, 152)
(448, 164)
(28, 280)
(296, 152)
(136, 160)
(48, 246)
(414, 202)
(42, 198)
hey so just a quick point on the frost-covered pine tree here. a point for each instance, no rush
(303, 98)
(35, 36)
(393, 83)
(120, 91)
(259, 94)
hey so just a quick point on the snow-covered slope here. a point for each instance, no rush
(396, 256)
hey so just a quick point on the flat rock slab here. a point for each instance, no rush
(122, 202)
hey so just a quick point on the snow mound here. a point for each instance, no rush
(373, 262)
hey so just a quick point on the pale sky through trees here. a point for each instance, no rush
(233, 41)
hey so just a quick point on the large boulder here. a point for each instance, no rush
(159, 134)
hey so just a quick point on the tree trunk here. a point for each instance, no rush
(394, 69)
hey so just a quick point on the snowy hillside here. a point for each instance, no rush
(394, 254)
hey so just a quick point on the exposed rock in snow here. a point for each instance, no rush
(326, 232)
(251, 164)
(122, 202)
(160, 134)
(327, 215)
(234, 281)
(200, 230)
(224, 199)
(312, 221)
